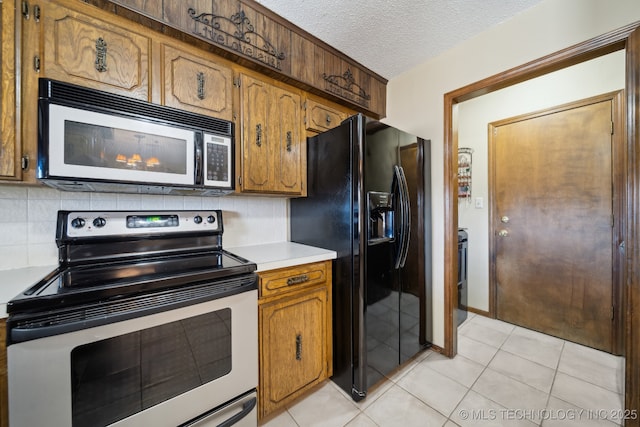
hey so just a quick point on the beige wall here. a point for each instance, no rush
(415, 99)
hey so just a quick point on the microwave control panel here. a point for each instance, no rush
(217, 151)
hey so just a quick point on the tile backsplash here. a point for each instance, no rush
(28, 218)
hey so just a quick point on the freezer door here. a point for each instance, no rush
(330, 217)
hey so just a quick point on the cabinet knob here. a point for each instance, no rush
(200, 78)
(259, 135)
(289, 141)
(101, 55)
(328, 119)
(298, 347)
(296, 280)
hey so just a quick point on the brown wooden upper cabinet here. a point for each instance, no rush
(91, 52)
(320, 117)
(9, 144)
(261, 40)
(272, 149)
(80, 44)
(196, 82)
(77, 42)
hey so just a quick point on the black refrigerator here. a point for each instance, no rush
(368, 200)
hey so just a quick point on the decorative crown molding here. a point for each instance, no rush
(346, 87)
(237, 33)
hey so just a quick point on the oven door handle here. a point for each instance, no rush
(247, 407)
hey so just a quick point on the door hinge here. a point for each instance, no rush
(612, 128)
(495, 131)
(236, 82)
(36, 63)
(240, 181)
(24, 163)
(25, 10)
(613, 311)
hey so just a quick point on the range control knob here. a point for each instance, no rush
(99, 222)
(197, 219)
(77, 222)
(211, 219)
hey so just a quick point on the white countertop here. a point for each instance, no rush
(270, 256)
(267, 257)
(13, 282)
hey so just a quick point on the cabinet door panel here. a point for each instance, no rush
(294, 333)
(89, 52)
(288, 142)
(8, 142)
(197, 84)
(257, 155)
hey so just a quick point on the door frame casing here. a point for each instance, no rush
(618, 205)
(627, 38)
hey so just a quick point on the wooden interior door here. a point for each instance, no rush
(552, 222)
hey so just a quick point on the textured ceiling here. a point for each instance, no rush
(392, 36)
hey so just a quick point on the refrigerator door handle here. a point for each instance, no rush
(405, 216)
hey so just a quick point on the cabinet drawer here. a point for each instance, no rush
(321, 117)
(289, 279)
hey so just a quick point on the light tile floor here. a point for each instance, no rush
(503, 375)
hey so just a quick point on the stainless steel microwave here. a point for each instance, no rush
(90, 140)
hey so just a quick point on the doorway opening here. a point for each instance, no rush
(627, 39)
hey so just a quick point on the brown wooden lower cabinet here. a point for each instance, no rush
(295, 338)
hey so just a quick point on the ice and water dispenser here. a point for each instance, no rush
(380, 206)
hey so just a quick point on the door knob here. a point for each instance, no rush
(504, 219)
(503, 233)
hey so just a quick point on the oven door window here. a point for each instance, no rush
(121, 376)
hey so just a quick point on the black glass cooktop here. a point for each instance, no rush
(82, 284)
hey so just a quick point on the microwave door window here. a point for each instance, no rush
(88, 144)
(108, 147)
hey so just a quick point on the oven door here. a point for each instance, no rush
(90, 145)
(168, 368)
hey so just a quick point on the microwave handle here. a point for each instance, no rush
(199, 162)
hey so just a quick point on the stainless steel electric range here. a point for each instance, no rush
(146, 321)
